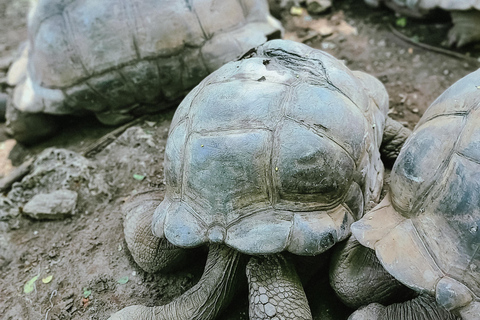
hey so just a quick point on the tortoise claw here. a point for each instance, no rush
(466, 28)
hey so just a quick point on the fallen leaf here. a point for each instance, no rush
(86, 293)
(401, 22)
(30, 285)
(47, 279)
(296, 11)
(123, 280)
(138, 177)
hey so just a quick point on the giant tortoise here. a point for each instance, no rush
(425, 232)
(122, 58)
(465, 15)
(275, 153)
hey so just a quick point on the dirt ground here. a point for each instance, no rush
(93, 274)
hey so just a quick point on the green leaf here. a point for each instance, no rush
(401, 22)
(123, 280)
(138, 177)
(86, 293)
(30, 285)
(47, 279)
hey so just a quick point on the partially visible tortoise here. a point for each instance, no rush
(277, 152)
(465, 16)
(426, 230)
(126, 57)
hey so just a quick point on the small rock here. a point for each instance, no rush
(53, 206)
(415, 110)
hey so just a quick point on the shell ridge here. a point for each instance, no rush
(323, 133)
(443, 167)
(191, 7)
(448, 114)
(72, 41)
(207, 132)
(128, 84)
(275, 149)
(194, 213)
(427, 249)
(100, 95)
(460, 154)
(189, 132)
(131, 14)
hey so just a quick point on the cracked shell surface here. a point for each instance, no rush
(249, 145)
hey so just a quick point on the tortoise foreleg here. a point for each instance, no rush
(205, 300)
(394, 137)
(275, 290)
(150, 252)
(358, 277)
(466, 28)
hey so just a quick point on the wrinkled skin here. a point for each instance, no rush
(359, 279)
(420, 308)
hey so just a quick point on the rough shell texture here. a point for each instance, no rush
(107, 56)
(429, 237)
(277, 151)
(442, 4)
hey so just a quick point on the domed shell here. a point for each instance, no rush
(426, 231)
(106, 56)
(442, 4)
(277, 151)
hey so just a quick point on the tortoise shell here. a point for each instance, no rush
(442, 4)
(277, 151)
(111, 56)
(426, 231)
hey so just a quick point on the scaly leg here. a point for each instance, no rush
(275, 290)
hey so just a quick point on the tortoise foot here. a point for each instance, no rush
(29, 128)
(421, 308)
(466, 28)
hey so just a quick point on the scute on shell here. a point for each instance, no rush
(426, 231)
(107, 56)
(277, 151)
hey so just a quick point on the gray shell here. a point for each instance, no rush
(109, 56)
(442, 4)
(426, 230)
(277, 151)
(436, 181)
